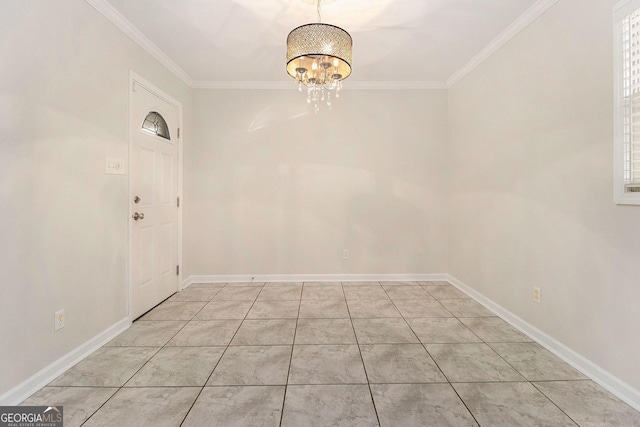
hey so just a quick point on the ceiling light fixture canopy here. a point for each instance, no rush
(319, 57)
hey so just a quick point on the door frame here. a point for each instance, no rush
(136, 79)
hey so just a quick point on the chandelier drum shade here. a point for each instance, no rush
(320, 51)
(319, 57)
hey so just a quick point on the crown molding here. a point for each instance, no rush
(129, 29)
(278, 85)
(290, 85)
(518, 25)
(389, 85)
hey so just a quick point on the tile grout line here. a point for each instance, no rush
(214, 368)
(433, 359)
(145, 363)
(487, 344)
(293, 343)
(364, 367)
(520, 373)
(219, 359)
(527, 379)
(312, 384)
(555, 404)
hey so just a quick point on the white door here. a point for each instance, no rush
(154, 193)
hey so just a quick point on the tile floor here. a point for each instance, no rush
(327, 354)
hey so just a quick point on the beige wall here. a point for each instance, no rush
(273, 188)
(531, 134)
(63, 226)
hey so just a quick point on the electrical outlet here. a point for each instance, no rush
(536, 294)
(59, 320)
(114, 166)
(345, 254)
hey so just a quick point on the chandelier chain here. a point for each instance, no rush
(319, 16)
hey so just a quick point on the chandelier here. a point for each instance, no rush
(319, 58)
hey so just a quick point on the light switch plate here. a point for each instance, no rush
(114, 166)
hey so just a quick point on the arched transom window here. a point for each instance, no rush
(155, 124)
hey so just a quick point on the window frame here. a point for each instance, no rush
(621, 196)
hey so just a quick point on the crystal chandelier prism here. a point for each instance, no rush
(319, 58)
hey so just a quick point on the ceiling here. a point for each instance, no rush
(218, 42)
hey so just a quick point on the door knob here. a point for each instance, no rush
(137, 216)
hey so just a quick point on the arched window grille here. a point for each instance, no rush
(155, 124)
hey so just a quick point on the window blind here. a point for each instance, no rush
(631, 100)
(632, 152)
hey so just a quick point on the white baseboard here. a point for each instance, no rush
(610, 382)
(236, 278)
(29, 386)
